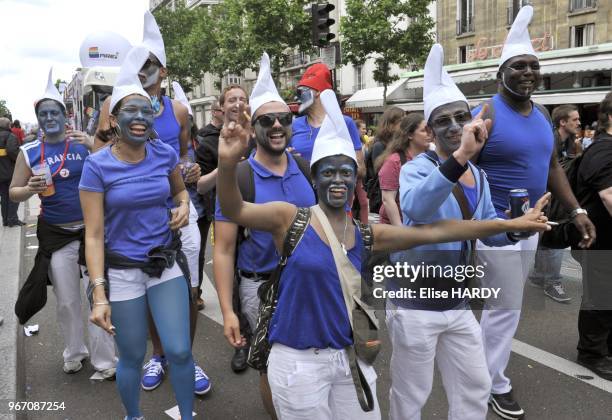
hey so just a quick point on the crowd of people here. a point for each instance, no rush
(126, 214)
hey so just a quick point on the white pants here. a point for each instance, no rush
(453, 338)
(190, 238)
(249, 300)
(506, 267)
(316, 384)
(64, 274)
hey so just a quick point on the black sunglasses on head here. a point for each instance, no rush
(268, 120)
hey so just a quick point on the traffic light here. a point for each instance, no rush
(321, 23)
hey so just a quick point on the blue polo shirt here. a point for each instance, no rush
(303, 135)
(517, 153)
(258, 253)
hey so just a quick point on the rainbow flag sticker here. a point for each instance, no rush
(93, 52)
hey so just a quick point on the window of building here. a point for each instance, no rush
(582, 35)
(513, 8)
(359, 83)
(465, 16)
(582, 4)
(462, 53)
(233, 79)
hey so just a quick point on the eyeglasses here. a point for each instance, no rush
(146, 111)
(520, 66)
(446, 120)
(268, 120)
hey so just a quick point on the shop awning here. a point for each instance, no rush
(372, 97)
(587, 97)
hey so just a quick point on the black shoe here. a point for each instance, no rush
(601, 367)
(15, 223)
(239, 361)
(505, 406)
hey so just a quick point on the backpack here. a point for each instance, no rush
(372, 184)
(246, 184)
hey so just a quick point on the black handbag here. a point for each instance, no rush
(259, 349)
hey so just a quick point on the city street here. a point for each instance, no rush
(547, 383)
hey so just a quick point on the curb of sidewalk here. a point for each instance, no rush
(12, 380)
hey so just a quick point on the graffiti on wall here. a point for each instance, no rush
(481, 51)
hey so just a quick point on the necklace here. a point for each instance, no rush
(342, 244)
(121, 158)
(42, 156)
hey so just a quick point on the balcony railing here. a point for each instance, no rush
(576, 5)
(465, 26)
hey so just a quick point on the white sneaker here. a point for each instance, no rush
(73, 366)
(108, 374)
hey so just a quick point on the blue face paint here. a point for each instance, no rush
(135, 119)
(335, 179)
(51, 118)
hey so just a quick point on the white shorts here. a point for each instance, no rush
(190, 238)
(132, 283)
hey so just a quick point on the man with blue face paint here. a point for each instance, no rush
(51, 167)
(172, 126)
(433, 187)
(518, 154)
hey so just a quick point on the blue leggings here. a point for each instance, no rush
(169, 305)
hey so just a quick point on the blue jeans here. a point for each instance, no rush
(547, 267)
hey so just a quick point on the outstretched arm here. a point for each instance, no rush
(395, 238)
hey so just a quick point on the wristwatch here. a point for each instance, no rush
(578, 211)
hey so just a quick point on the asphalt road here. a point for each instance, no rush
(545, 379)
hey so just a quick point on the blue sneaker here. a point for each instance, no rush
(202, 383)
(154, 373)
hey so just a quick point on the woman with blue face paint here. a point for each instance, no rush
(51, 167)
(131, 247)
(310, 329)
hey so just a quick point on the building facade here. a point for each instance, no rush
(349, 78)
(473, 30)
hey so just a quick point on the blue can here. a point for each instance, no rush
(518, 200)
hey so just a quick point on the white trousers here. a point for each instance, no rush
(249, 300)
(453, 339)
(190, 238)
(506, 267)
(316, 384)
(64, 274)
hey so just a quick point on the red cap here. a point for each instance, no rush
(317, 77)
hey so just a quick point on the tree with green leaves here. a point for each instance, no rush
(4, 111)
(388, 31)
(250, 27)
(188, 42)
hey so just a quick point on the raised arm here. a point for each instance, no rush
(396, 238)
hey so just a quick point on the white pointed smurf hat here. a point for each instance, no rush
(265, 90)
(127, 82)
(438, 88)
(333, 138)
(51, 91)
(180, 96)
(152, 38)
(518, 41)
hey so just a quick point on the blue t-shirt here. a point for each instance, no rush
(135, 211)
(303, 135)
(63, 206)
(471, 195)
(311, 312)
(517, 153)
(257, 253)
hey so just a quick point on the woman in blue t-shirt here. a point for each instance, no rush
(124, 191)
(308, 366)
(51, 167)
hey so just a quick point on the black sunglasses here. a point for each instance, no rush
(268, 120)
(446, 120)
